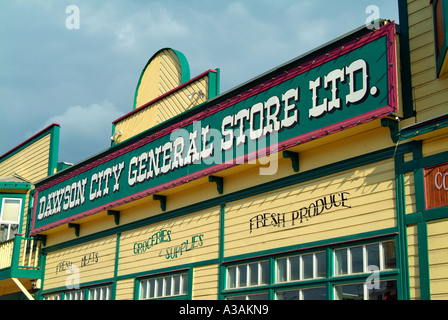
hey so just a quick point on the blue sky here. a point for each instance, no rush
(85, 78)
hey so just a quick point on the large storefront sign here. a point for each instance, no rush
(436, 186)
(318, 95)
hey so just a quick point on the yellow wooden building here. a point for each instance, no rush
(20, 254)
(325, 178)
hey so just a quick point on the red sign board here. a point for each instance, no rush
(436, 186)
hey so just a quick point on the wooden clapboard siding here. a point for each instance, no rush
(162, 109)
(181, 229)
(409, 188)
(205, 282)
(430, 92)
(435, 145)
(31, 163)
(125, 289)
(371, 197)
(438, 258)
(414, 275)
(161, 75)
(92, 272)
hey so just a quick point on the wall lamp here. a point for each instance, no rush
(116, 135)
(199, 93)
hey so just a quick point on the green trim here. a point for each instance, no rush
(221, 268)
(393, 127)
(213, 83)
(219, 183)
(423, 261)
(294, 157)
(49, 130)
(404, 72)
(54, 150)
(22, 197)
(314, 245)
(184, 67)
(402, 245)
(76, 226)
(15, 185)
(117, 258)
(423, 127)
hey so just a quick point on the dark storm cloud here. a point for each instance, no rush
(85, 78)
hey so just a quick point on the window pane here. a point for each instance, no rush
(341, 261)
(184, 283)
(167, 286)
(144, 289)
(321, 259)
(349, 292)
(176, 289)
(387, 290)
(389, 255)
(13, 229)
(231, 277)
(242, 280)
(294, 263)
(11, 210)
(288, 295)
(3, 232)
(373, 255)
(159, 287)
(357, 259)
(314, 294)
(264, 266)
(93, 294)
(105, 293)
(236, 298)
(152, 288)
(253, 271)
(281, 270)
(258, 296)
(307, 263)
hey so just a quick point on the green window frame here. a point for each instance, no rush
(93, 292)
(6, 233)
(319, 274)
(168, 286)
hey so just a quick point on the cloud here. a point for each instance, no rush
(51, 74)
(85, 129)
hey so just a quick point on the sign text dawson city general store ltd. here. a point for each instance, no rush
(325, 94)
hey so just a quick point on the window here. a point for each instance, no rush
(90, 293)
(360, 259)
(9, 218)
(386, 290)
(100, 293)
(255, 296)
(301, 267)
(248, 275)
(164, 287)
(75, 295)
(319, 293)
(57, 296)
(364, 271)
